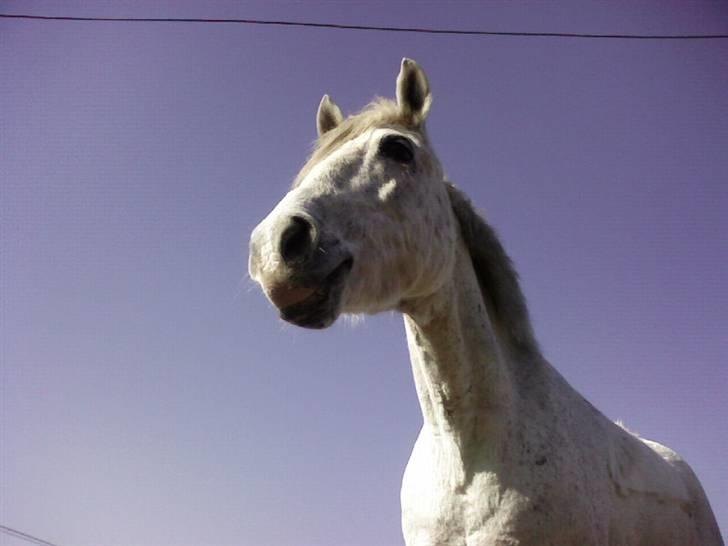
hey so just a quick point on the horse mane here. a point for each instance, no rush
(496, 275)
(380, 112)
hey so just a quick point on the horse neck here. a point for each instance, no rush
(460, 368)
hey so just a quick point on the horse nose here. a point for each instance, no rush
(298, 240)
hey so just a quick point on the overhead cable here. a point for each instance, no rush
(421, 30)
(24, 536)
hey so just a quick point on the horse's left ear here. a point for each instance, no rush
(328, 116)
(413, 91)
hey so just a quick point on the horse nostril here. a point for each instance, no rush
(297, 240)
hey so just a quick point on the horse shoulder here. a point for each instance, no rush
(644, 467)
(668, 492)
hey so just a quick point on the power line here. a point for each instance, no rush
(369, 27)
(25, 536)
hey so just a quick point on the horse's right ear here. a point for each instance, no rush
(413, 91)
(328, 117)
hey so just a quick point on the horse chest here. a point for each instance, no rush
(444, 504)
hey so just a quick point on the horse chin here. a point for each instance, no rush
(322, 308)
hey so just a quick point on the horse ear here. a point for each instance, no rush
(413, 91)
(328, 117)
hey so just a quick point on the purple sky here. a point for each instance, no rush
(151, 397)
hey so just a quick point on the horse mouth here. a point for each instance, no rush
(321, 308)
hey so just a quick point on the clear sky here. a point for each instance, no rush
(151, 397)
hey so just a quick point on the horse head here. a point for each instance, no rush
(367, 225)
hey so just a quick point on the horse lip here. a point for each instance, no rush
(320, 309)
(283, 295)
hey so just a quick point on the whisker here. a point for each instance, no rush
(245, 285)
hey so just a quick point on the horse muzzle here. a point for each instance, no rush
(302, 271)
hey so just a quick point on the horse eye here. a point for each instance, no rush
(397, 148)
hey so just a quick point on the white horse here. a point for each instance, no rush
(509, 452)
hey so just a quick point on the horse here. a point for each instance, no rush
(509, 453)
